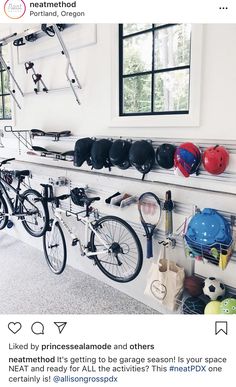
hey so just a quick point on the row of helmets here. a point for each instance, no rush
(185, 158)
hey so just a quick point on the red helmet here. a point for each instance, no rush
(215, 159)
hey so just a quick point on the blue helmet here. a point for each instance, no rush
(208, 228)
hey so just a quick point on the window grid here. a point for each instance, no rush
(152, 72)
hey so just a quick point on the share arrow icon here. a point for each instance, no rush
(60, 326)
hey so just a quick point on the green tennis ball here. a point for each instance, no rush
(228, 306)
(213, 307)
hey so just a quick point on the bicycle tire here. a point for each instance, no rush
(3, 219)
(122, 256)
(44, 215)
(49, 260)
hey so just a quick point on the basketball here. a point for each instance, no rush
(194, 286)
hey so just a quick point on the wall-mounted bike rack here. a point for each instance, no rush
(37, 78)
(31, 35)
(23, 137)
(73, 81)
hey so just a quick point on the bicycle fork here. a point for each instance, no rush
(74, 238)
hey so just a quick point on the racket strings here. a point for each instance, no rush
(150, 212)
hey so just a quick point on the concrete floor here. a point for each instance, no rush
(28, 287)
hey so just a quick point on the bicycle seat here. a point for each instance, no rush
(57, 198)
(88, 201)
(25, 172)
(56, 135)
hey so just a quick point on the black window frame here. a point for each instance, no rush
(3, 95)
(152, 72)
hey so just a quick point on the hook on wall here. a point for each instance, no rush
(1, 136)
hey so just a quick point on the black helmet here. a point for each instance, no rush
(82, 150)
(165, 155)
(77, 195)
(142, 156)
(119, 153)
(100, 154)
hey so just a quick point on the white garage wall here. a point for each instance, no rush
(59, 111)
(104, 186)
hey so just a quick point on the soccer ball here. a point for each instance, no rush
(213, 288)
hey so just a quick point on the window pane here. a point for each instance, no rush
(5, 83)
(5, 101)
(171, 91)
(137, 94)
(172, 46)
(132, 28)
(1, 110)
(138, 53)
(7, 106)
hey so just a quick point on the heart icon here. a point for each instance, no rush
(14, 327)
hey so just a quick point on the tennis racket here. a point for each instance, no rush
(149, 207)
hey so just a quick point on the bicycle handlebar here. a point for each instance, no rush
(6, 161)
(62, 197)
(53, 199)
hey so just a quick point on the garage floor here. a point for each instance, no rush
(27, 286)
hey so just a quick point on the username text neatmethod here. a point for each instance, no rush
(59, 4)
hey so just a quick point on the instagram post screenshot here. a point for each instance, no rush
(117, 193)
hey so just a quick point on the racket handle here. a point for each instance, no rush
(149, 248)
(168, 223)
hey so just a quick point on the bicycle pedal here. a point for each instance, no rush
(75, 241)
(32, 212)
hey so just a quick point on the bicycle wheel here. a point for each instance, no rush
(3, 211)
(123, 261)
(54, 246)
(36, 218)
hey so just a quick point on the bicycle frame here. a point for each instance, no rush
(87, 225)
(19, 198)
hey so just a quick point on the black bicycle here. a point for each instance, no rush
(24, 206)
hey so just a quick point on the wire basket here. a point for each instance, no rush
(218, 254)
(194, 306)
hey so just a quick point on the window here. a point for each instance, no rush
(5, 98)
(154, 68)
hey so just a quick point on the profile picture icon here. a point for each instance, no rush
(14, 9)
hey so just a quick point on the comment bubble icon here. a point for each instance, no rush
(37, 328)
